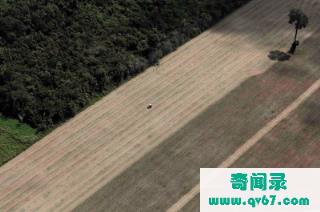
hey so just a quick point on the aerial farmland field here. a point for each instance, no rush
(217, 101)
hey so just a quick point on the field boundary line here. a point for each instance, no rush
(249, 143)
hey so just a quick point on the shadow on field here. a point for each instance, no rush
(170, 170)
(279, 56)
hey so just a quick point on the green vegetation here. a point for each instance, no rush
(15, 137)
(56, 56)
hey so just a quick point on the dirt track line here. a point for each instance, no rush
(248, 144)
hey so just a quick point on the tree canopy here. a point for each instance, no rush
(298, 18)
(57, 55)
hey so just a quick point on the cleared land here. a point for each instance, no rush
(93, 151)
(209, 139)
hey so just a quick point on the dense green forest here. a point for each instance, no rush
(57, 55)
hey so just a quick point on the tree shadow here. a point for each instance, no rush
(278, 56)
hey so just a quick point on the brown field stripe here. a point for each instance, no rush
(248, 144)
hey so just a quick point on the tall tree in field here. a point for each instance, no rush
(300, 21)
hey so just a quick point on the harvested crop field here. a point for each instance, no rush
(207, 140)
(209, 97)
